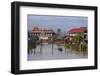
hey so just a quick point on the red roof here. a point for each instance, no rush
(39, 30)
(77, 30)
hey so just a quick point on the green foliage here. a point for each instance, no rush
(78, 43)
(78, 38)
(32, 46)
(32, 43)
(84, 47)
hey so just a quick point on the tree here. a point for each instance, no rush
(78, 38)
(58, 31)
(79, 42)
(32, 41)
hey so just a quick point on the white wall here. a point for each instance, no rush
(5, 27)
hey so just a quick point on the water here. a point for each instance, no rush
(52, 53)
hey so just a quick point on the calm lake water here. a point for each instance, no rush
(47, 52)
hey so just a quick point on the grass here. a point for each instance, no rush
(77, 47)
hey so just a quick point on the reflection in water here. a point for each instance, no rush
(52, 52)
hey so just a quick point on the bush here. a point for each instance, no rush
(84, 47)
(77, 47)
(31, 46)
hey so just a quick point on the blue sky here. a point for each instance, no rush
(64, 23)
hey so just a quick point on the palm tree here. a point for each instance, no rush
(78, 40)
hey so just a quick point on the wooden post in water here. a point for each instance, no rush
(52, 46)
(65, 46)
(41, 47)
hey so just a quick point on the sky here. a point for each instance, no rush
(64, 23)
